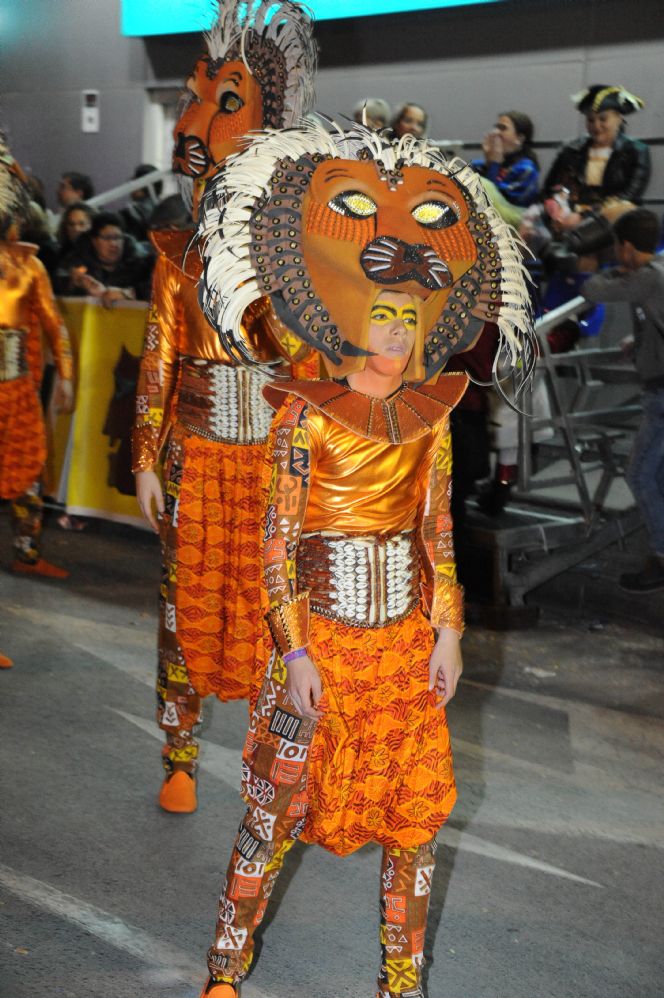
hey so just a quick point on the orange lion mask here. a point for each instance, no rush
(321, 222)
(257, 73)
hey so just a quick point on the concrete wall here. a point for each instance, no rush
(464, 65)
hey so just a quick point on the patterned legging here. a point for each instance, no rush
(178, 704)
(264, 838)
(27, 515)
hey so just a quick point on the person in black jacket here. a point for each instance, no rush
(596, 179)
(107, 263)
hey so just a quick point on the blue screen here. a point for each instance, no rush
(154, 17)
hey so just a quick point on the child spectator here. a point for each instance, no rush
(639, 280)
(509, 160)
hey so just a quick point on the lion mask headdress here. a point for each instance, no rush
(321, 222)
(258, 72)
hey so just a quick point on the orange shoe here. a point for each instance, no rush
(212, 990)
(5, 663)
(178, 793)
(40, 567)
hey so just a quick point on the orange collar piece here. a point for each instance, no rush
(411, 413)
(173, 244)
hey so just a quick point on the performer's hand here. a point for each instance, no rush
(304, 686)
(445, 665)
(149, 491)
(63, 396)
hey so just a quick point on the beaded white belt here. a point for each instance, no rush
(13, 363)
(362, 581)
(224, 403)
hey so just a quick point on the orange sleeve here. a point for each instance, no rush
(437, 543)
(287, 499)
(158, 370)
(47, 314)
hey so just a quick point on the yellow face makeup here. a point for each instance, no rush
(385, 312)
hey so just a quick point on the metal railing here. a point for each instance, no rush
(123, 190)
(582, 426)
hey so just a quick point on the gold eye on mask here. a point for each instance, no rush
(435, 214)
(230, 102)
(353, 204)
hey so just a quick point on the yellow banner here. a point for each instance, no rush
(92, 449)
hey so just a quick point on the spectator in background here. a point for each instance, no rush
(376, 110)
(36, 229)
(594, 180)
(142, 203)
(170, 213)
(74, 187)
(410, 119)
(108, 264)
(639, 280)
(509, 160)
(74, 222)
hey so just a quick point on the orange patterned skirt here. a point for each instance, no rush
(218, 565)
(22, 436)
(380, 763)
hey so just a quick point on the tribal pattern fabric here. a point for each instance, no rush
(277, 816)
(27, 511)
(406, 877)
(218, 560)
(22, 436)
(178, 703)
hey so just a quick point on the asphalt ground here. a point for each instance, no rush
(550, 872)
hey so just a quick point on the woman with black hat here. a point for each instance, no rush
(595, 179)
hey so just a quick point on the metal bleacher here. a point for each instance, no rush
(571, 500)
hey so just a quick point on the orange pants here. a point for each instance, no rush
(209, 615)
(377, 767)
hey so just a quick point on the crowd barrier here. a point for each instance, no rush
(90, 454)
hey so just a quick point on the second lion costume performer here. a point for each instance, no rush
(27, 308)
(386, 259)
(198, 399)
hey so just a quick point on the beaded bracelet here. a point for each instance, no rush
(295, 653)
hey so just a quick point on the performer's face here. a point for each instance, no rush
(223, 103)
(392, 331)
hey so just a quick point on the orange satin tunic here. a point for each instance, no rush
(346, 464)
(27, 302)
(360, 486)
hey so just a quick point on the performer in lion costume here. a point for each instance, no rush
(386, 259)
(201, 405)
(27, 310)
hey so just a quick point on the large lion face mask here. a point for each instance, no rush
(321, 223)
(258, 73)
